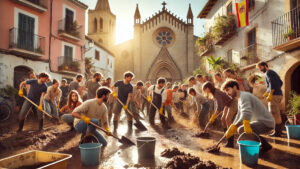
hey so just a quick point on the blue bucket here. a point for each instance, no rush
(90, 153)
(293, 131)
(249, 151)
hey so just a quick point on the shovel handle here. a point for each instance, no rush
(220, 140)
(155, 106)
(124, 105)
(37, 107)
(208, 123)
(102, 129)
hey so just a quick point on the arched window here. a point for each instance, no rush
(101, 25)
(95, 25)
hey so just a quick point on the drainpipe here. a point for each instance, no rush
(50, 35)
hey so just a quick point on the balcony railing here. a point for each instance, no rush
(40, 5)
(26, 42)
(286, 27)
(68, 64)
(69, 29)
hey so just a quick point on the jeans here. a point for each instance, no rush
(82, 127)
(169, 111)
(25, 108)
(50, 108)
(68, 118)
(257, 127)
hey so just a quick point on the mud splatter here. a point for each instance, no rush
(169, 153)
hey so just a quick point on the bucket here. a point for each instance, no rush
(293, 131)
(249, 151)
(90, 152)
(146, 147)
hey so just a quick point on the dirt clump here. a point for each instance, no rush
(169, 153)
(201, 135)
(182, 161)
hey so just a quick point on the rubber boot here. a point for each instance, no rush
(230, 142)
(164, 122)
(129, 123)
(21, 124)
(265, 146)
(277, 132)
(115, 126)
(41, 124)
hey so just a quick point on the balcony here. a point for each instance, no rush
(68, 65)
(39, 5)
(26, 43)
(286, 31)
(70, 30)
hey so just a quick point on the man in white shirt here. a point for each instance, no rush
(195, 84)
(159, 96)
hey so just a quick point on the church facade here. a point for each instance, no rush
(163, 45)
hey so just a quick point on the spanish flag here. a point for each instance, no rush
(242, 13)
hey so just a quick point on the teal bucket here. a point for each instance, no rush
(146, 147)
(293, 131)
(249, 151)
(90, 153)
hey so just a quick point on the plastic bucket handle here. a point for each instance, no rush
(289, 123)
(246, 133)
(89, 136)
(145, 142)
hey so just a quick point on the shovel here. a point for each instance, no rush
(124, 140)
(155, 107)
(38, 106)
(215, 148)
(205, 134)
(138, 123)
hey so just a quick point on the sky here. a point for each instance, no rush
(124, 11)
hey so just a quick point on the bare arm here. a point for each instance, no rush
(22, 84)
(128, 98)
(42, 98)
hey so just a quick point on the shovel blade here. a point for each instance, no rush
(126, 141)
(140, 126)
(213, 149)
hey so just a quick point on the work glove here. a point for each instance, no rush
(85, 119)
(40, 108)
(161, 111)
(114, 94)
(108, 132)
(266, 94)
(57, 106)
(247, 127)
(21, 94)
(149, 99)
(125, 107)
(230, 132)
(269, 98)
(213, 118)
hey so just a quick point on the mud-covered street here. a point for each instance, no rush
(285, 153)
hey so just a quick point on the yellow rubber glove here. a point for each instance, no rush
(108, 132)
(213, 118)
(230, 132)
(269, 98)
(57, 106)
(40, 108)
(161, 111)
(125, 107)
(85, 119)
(266, 94)
(21, 94)
(114, 94)
(247, 127)
(149, 99)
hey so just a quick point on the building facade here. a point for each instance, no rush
(163, 45)
(40, 36)
(261, 40)
(102, 59)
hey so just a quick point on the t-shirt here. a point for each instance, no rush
(251, 108)
(169, 97)
(64, 90)
(92, 109)
(92, 88)
(123, 90)
(52, 93)
(74, 85)
(36, 90)
(273, 81)
(221, 100)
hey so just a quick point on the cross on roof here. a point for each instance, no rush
(164, 5)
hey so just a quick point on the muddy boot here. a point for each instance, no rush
(230, 142)
(115, 126)
(277, 132)
(41, 124)
(21, 124)
(129, 123)
(265, 146)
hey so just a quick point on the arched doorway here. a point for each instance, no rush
(295, 80)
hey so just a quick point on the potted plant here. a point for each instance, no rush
(289, 34)
(294, 108)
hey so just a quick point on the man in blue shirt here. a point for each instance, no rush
(273, 94)
(36, 93)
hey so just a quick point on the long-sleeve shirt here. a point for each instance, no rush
(250, 108)
(158, 91)
(273, 82)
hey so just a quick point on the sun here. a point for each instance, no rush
(124, 31)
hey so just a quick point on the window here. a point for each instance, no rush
(101, 25)
(69, 19)
(26, 32)
(252, 37)
(251, 4)
(229, 9)
(229, 55)
(68, 54)
(97, 55)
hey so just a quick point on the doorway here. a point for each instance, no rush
(295, 80)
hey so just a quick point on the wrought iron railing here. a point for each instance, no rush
(26, 40)
(286, 27)
(68, 64)
(69, 27)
